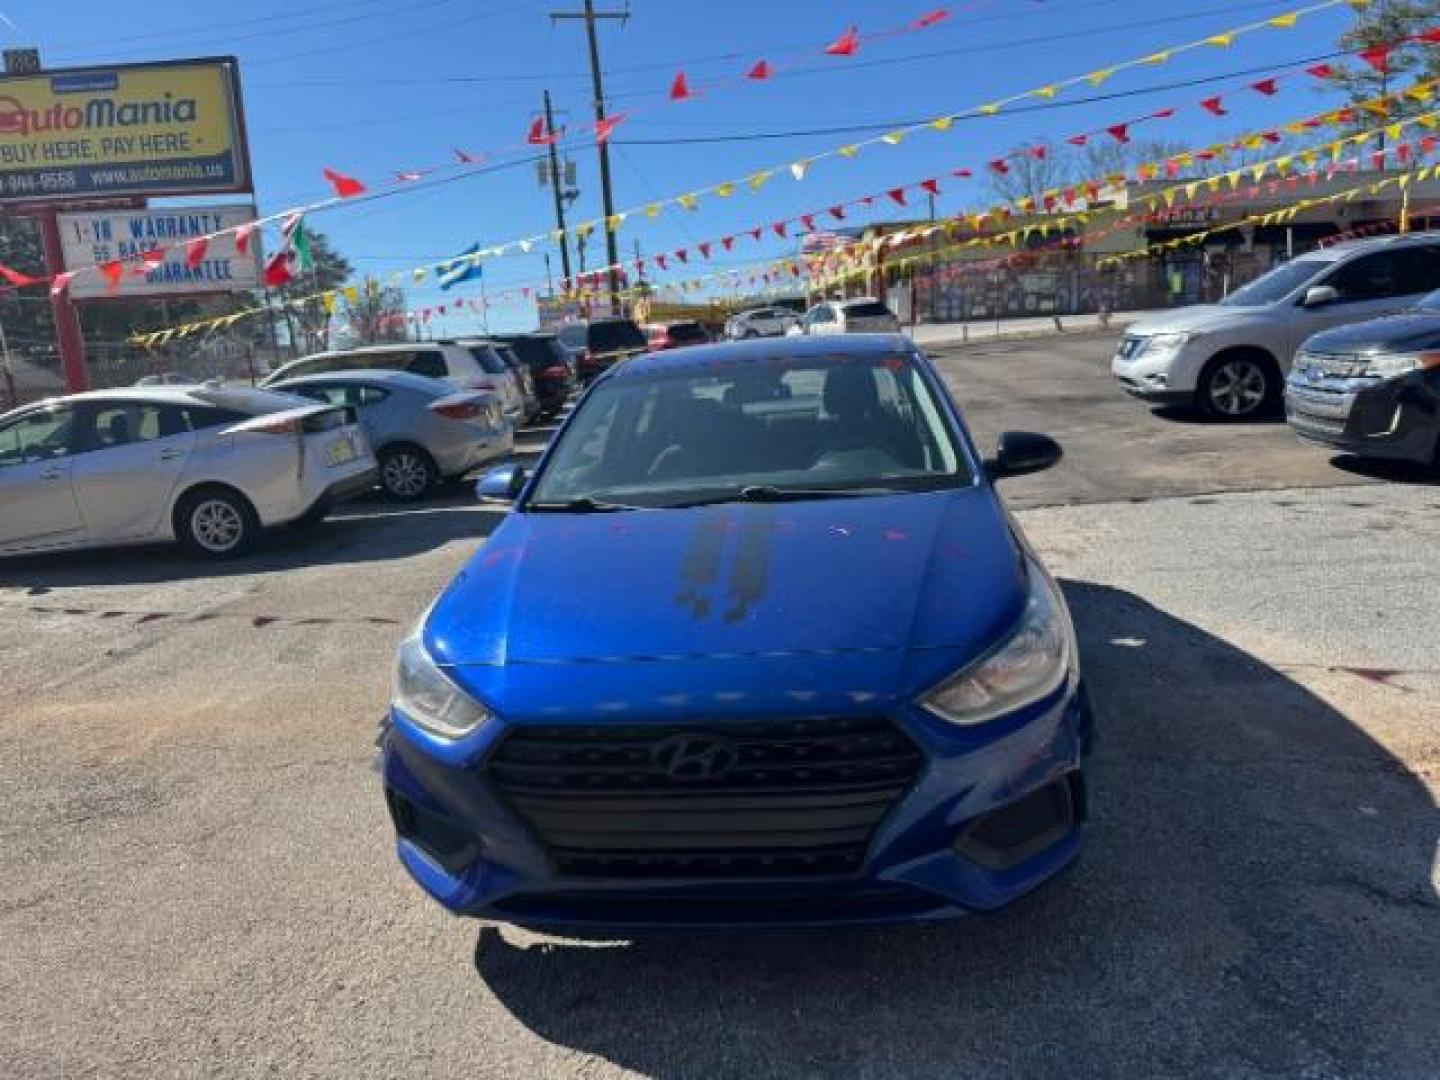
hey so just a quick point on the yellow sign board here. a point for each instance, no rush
(172, 128)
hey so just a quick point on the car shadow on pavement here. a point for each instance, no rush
(362, 532)
(1396, 472)
(1256, 898)
(1186, 414)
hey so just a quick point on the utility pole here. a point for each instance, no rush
(612, 256)
(557, 183)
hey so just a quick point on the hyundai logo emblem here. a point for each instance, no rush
(695, 757)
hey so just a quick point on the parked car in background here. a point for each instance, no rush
(808, 670)
(547, 361)
(1372, 389)
(572, 339)
(167, 378)
(609, 342)
(675, 335)
(1229, 359)
(206, 465)
(523, 377)
(456, 364)
(515, 395)
(860, 315)
(423, 431)
(760, 322)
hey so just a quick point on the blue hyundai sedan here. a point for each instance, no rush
(758, 645)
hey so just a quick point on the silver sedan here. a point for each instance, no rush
(424, 432)
(206, 465)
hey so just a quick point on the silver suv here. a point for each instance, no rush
(1229, 359)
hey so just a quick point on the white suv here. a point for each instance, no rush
(760, 322)
(860, 315)
(1229, 359)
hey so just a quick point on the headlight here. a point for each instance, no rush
(425, 695)
(1030, 665)
(1389, 364)
(1166, 342)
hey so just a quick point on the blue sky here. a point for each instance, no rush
(370, 87)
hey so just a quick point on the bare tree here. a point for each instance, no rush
(377, 313)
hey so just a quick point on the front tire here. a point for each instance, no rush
(407, 473)
(216, 523)
(1238, 386)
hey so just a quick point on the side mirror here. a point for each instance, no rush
(1319, 296)
(502, 484)
(1021, 452)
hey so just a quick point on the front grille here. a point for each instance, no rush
(1312, 422)
(755, 799)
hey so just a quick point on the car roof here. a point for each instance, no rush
(404, 379)
(1350, 247)
(202, 395)
(834, 346)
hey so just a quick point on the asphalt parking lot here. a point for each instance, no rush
(198, 868)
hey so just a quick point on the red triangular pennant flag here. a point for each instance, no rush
(759, 72)
(1402, 153)
(242, 236)
(898, 194)
(1320, 71)
(1078, 140)
(1163, 114)
(932, 186)
(113, 271)
(680, 89)
(1268, 87)
(603, 128)
(964, 174)
(16, 278)
(408, 177)
(683, 255)
(808, 220)
(1215, 106)
(1000, 166)
(704, 250)
(539, 135)
(464, 158)
(1121, 132)
(838, 213)
(277, 270)
(756, 231)
(1378, 57)
(345, 186)
(60, 283)
(779, 228)
(727, 242)
(931, 18)
(845, 45)
(660, 261)
(1377, 160)
(195, 251)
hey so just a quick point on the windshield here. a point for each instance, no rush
(1277, 283)
(488, 359)
(712, 432)
(688, 333)
(868, 310)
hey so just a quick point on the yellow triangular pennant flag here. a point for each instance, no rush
(757, 180)
(1284, 22)
(1221, 40)
(724, 190)
(689, 202)
(893, 138)
(942, 123)
(1156, 59)
(849, 151)
(1046, 92)
(653, 210)
(1095, 78)
(352, 294)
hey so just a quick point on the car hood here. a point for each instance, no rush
(1395, 333)
(1199, 317)
(937, 570)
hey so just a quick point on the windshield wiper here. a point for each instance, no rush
(582, 505)
(765, 493)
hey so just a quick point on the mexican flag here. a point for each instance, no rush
(294, 258)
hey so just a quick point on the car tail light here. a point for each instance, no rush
(460, 410)
(559, 371)
(483, 384)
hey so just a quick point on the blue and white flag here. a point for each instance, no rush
(464, 267)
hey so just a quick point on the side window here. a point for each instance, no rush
(1370, 277)
(429, 362)
(121, 424)
(1422, 269)
(370, 395)
(198, 418)
(39, 436)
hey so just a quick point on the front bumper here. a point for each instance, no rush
(988, 816)
(1396, 418)
(1163, 378)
